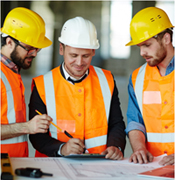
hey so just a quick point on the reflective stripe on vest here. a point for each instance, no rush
(11, 112)
(50, 101)
(139, 85)
(10, 100)
(160, 137)
(96, 141)
(105, 89)
(51, 104)
(15, 140)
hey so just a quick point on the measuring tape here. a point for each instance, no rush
(6, 168)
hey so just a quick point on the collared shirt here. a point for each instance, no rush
(134, 116)
(51, 147)
(67, 76)
(10, 64)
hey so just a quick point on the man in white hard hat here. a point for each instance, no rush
(81, 99)
(150, 113)
(23, 35)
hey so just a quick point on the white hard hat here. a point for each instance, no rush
(79, 33)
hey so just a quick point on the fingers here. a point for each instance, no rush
(141, 157)
(167, 160)
(43, 122)
(39, 124)
(73, 146)
(150, 157)
(113, 153)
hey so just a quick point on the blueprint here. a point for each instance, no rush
(83, 169)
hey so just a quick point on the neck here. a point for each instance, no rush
(4, 51)
(164, 64)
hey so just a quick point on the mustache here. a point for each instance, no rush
(146, 57)
(30, 57)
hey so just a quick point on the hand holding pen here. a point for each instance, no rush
(64, 131)
(73, 146)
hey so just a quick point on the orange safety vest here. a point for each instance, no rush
(81, 109)
(13, 110)
(155, 96)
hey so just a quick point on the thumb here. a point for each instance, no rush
(150, 157)
(104, 152)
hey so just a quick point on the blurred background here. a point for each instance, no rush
(112, 20)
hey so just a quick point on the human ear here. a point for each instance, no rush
(93, 52)
(167, 38)
(10, 43)
(61, 49)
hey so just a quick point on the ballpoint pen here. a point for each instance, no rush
(64, 131)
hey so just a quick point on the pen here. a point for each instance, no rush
(64, 131)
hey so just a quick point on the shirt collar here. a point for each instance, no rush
(67, 75)
(10, 64)
(172, 62)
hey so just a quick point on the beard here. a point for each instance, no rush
(158, 57)
(19, 61)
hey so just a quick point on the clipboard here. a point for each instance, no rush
(165, 172)
(85, 156)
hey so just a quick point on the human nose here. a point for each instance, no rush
(79, 60)
(142, 51)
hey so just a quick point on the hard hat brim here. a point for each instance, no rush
(130, 43)
(81, 46)
(42, 44)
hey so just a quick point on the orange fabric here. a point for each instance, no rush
(158, 113)
(15, 150)
(21, 149)
(38, 154)
(79, 107)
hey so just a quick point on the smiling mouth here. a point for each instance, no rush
(79, 68)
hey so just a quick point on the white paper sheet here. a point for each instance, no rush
(76, 169)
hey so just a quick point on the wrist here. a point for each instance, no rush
(60, 150)
(25, 128)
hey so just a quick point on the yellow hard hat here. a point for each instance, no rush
(147, 23)
(26, 26)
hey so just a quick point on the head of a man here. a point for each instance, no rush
(78, 43)
(23, 35)
(155, 49)
(151, 30)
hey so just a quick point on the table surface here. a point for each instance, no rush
(83, 168)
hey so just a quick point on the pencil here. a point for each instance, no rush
(65, 132)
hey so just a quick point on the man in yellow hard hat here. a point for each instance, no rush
(82, 99)
(150, 113)
(23, 35)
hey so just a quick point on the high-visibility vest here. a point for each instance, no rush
(81, 109)
(13, 110)
(155, 97)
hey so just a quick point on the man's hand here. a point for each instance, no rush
(140, 153)
(113, 153)
(141, 156)
(39, 124)
(167, 160)
(73, 146)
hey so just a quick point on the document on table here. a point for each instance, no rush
(73, 169)
(165, 172)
